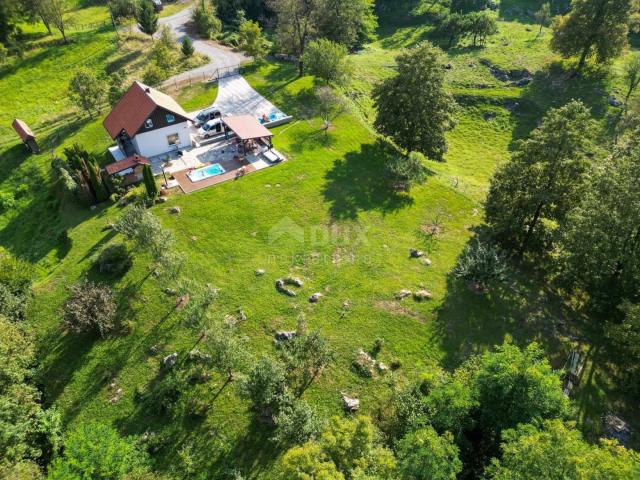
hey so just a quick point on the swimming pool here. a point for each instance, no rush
(206, 172)
(273, 117)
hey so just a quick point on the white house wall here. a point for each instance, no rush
(150, 144)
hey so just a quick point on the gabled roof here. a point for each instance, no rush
(129, 162)
(22, 129)
(134, 108)
(247, 127)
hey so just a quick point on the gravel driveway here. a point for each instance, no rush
(221, 56)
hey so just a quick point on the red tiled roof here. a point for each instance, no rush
(247, 127)
(129, 162)
(22, 129)
(134, 108)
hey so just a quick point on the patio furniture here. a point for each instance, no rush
(271, 156)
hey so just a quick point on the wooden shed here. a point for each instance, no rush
(26, 135)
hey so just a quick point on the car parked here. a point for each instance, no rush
(157, 5)
(210, 128)
(207, 114)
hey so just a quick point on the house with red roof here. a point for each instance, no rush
(147, 122)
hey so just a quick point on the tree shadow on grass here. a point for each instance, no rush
(311, 140)
(522, 309)
(357, 183)
(65, 353)
(253, 453)
(552, 88)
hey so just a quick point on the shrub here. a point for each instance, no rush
(114, 260)
(297, 423)
(187, 47)
(266, 387)
(7, 201)
(406, 171)
(327, 61)
(165, 396)
(153, 75)
(164, 57)
(377, 346)
(21, 190)
(481, 263)
(205, 20)
(90, 307)
(15, 287)
(4, 54)
(251, 40)
(96, 451)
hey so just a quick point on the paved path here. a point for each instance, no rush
(237, 97)
(221, 57)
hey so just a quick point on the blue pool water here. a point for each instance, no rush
(206, 172)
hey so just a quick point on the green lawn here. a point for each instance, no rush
(357, 236)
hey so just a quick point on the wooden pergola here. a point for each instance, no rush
(248, 129)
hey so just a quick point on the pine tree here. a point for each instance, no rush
(150, 182)
(187, 47)
(147, 18)
(95, 179)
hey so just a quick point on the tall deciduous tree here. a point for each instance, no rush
(413, 106)
(543, 16)
(601, 241)
(327, 61)
(330, 105)
(228, 350)
(556, 450)
(593, 27)
(296, 25)
(425, 455)
(88, 91)
(205, 20)
(350, 23)
(544, 178)
(251, 40)
(305, 356)
(631, 77)
(55, 12)
(517, 386)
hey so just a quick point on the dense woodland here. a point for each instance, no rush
(99, 381)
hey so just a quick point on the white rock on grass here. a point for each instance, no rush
(404, 293)
(351, 404)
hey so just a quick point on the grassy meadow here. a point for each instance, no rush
(355, 247)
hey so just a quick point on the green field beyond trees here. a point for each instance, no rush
(328, 217)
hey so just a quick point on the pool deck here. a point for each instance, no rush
(232, 168)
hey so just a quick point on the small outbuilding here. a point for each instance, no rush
(129, 169)
(26, 135)
(251, 133)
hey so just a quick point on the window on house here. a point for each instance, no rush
(173, 139)
(148, 123)
(170, 118)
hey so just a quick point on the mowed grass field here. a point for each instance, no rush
(326, 216)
